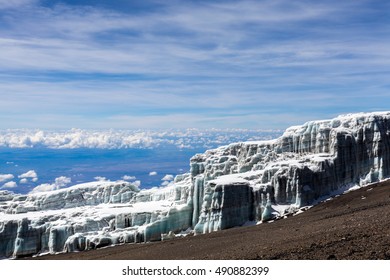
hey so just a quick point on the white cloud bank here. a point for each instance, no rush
(167, 180)
(9, 185)
(59, 182)
(118, 139)
(6, 177)
(152, 173)
(100, 178)
(44, 188)
(128, 178)
(31, 174)
(168, 177)
(137, 183)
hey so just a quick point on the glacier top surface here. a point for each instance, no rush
(92, 212)
(327, 123)
(85, 187)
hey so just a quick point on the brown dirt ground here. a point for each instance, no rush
(352, 226)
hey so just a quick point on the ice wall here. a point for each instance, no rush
(225, 206)
(226, 187)
(306, 163)
(91, 216)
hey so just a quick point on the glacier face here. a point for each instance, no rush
(89, 216)
(226, 187)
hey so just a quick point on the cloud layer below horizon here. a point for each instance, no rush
(123, 139)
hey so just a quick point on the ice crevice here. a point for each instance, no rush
(226, 187)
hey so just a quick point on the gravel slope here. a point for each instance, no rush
(352, 226)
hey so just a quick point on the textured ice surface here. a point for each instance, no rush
(226, 187)
(89, 216)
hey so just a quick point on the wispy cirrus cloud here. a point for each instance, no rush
(87, 39)
(12, 4)
(90, 64)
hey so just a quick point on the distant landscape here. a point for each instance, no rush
(45, 160)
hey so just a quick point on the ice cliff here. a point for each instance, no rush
(226, 187)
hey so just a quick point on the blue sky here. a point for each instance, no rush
(181, 64)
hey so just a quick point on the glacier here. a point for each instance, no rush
(233, 185)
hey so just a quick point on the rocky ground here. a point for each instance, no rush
(352, 226)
